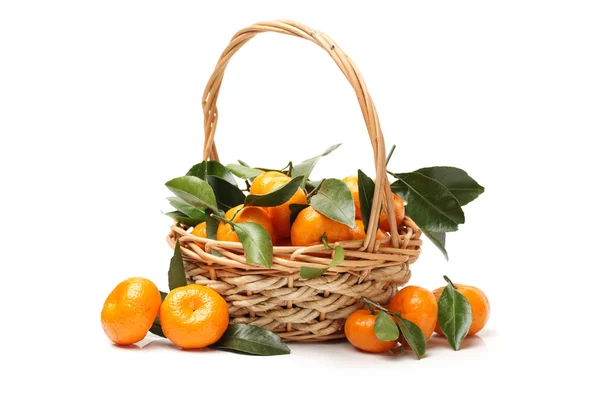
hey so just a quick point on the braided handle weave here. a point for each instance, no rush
(383, 196)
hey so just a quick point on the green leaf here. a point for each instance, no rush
(194, 191)
(176, 271)
(438, 239)
(253, 340)
(198, 170)
(413, 335)
(186, 208)
(256, 242)
(227, 195)
(295, 210)
(156, 328)
(385, 328)
(276, 197)
(308, 272)
(243, 172)
(460, 184)
(454, 315)
(212, 225)
(334, 200)
(366, 192)
(431, 205)
(306, 167)
(179, 217)
(211, 168)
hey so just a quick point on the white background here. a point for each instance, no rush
(100, 105)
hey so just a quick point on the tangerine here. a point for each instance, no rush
(384, 223)
(360, 331)
(280, 215)
(194, 316)
(130, 310)
(254, 214)
(310, 225)
(200, 231)
(418, 305)
(480, 306)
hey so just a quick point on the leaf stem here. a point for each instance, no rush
(387, 160)
(371, 303)
(324, 241)
(449, 282)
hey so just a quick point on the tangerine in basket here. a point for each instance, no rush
(194, 316)
(418, 305)
(254, 214)
(360, 331)
(129, 310)
(384, 223)
(359, 233)
(352, 183)
(200, 231)
(310, 225)
(480, 306)
(280, 215)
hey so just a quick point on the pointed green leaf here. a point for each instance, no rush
(194, 191)
(454, 315)
(176, 271)
(212, 225)
(385, 328)
(156, 328)
(413, 336)
(334, 200)
(305, 168)
(431, 205)
(246, 338)
(439, 240)
(211, 168)
(198, 170)
(460, 184)
(276, 197)
(295, 210)
(256, 242)
(243, 172)
(187, 209)
(179, 217)
(227, 195)
(366, 192)
(308, 272)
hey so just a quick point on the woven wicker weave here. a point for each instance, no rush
(276, 298)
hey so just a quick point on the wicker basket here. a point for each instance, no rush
(277, 298)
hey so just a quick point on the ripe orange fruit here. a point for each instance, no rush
(352, 183)
(480, 306)
(309, 226)
(359, 233)
(249, 214)
(194, 316)
(262, 183)
(129, 310)
(418, 305)
(360, 331)
(280, 215)
(200, 231)
(384, 223)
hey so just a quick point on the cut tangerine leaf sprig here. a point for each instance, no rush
(387, 330)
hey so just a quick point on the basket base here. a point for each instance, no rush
(297, 310)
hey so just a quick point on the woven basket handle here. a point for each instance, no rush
(383, 196)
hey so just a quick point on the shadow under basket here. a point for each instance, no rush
(276, 298)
